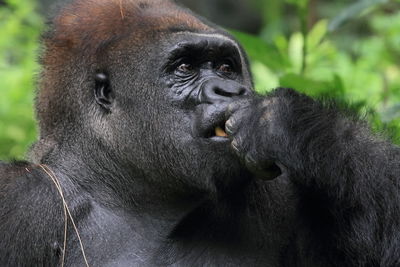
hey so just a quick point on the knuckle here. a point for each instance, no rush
(266, 117)
(235, 146)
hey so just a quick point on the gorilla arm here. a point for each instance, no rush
(346, 179)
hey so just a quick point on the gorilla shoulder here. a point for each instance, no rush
(31, 213)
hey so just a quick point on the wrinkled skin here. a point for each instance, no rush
(166, 156)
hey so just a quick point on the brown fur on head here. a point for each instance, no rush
(82, 32)
(85, 25)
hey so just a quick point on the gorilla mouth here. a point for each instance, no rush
(210, 123)
(217, 131)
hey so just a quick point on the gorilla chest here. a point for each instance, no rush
(111, 239)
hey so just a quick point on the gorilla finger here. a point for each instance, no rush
(229, 127)
(235, 146)
(239, 146)
(237, 105)
(233, 124)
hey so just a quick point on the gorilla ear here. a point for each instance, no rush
(103, 92)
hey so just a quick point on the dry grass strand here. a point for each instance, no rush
(67, 214)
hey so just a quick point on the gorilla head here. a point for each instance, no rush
(141, 88)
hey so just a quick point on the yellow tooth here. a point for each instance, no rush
(220, 132)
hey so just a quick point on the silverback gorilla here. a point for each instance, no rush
(155, 151)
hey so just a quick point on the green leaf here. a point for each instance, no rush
(299, 3)
(262, 52)
(317, 34)
(295, 51)
(311, 87)
(264, 78)
(20, 29)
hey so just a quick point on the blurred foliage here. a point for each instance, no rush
(19, 30)
(333, 49)
(347, 50)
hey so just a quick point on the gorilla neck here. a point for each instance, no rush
(139, 216)
(115, 187)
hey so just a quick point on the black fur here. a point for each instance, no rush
(130, 96)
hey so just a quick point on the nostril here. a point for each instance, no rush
(242, 91)
(224, 93)
(230, 93)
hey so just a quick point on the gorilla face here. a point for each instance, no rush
(163, 79)
(203, 74)
(175, 109)
(206, 72)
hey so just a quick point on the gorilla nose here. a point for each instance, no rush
(217, 91)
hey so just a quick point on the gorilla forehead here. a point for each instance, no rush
(210, 35)
(204, 39)
(89, 24)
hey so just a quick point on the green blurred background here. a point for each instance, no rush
(347, 50)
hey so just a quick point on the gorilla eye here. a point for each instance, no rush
(185, 67)
(225, 68)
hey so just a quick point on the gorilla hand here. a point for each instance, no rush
(262, 131)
